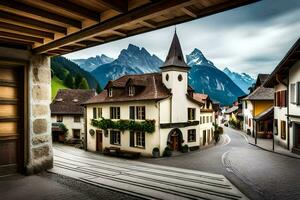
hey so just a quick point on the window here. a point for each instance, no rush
(249, 123)
(180, 77)
(203, 119)
(131, 112)
(167, 77)
(298, 93)
(99, 112)
(246, 105)
(200, 119)
(115, 112)
(76, 133)
(293, 93)
(131, 90)
(110, 92)
(94, 113)
(140, 112)
(191, 113)
(59, 118)
(275, 125)
(207, 119)
(280, 98)
(192, 135)
(283, 130)
(210, 118)
(139, 139)
(115, 137)
(76, 118)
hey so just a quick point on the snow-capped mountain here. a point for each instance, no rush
(93, 62)
(243, 80)
(204, 76)
(197, 58)
(133, 60)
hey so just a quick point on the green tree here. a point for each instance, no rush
(69, 81)
(98, 88)
(78, 80)
(83, 84)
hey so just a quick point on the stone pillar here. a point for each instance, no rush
(40, 156)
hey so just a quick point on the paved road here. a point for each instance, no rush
(140, 179)
(257, 173)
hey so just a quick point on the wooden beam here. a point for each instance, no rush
(147, 24)
(75, 9)
(19, 6)
(30, 31)
(117, 5)
(188, 12)
(96, 39)
(21, 37)
(32, 22)
(137, 14)
(79, 44)
(118, 33)
(14, 41)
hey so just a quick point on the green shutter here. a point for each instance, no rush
(131, 142)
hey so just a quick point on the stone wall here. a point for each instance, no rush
(40, 156)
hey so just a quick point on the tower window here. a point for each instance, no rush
(167, 77)
(180, 77)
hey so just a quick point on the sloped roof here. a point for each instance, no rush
(264, 115)
(261, 78)
(261, 93)
(231, 110)
(69, 101)
(200, 97)
(175, 56)
(152, 89)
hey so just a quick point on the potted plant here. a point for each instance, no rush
(185, 148)
(155, 152)
(167, 152)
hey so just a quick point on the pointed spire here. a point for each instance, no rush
(175, 57)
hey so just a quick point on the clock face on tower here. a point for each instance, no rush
(179, 77)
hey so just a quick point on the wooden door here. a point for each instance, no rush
(204, 137)
(174, 142)
(99, 140)
(11, 131)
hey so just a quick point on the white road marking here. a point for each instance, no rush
(223, 162)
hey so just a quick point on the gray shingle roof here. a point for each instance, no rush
(261, 93)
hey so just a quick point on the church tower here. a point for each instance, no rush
(175, 77)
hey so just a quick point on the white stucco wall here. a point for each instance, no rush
(206, 126)
(179, 91)
(280, 115)
(294, 77)
(248, 115)
(68, 121)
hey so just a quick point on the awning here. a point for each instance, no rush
(269, 113)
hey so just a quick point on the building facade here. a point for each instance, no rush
(162, 98)
(66, 110)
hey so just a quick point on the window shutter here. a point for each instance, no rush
(144, 112)
(144, 139)
(131, 139)
(298, 93)
(131, 112)
(111, 112)
(94, 113)
(111, 137)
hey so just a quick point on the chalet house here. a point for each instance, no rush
(285, 79)
(66, 109)
(165, 99)
(258, 109)
(207, 118)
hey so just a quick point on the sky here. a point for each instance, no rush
(251, 39)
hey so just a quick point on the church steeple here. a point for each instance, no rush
(175, 57)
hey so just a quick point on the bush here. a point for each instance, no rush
(167, 152)
(185, 148)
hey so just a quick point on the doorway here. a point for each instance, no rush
(204, 137)
(99, 140)
(175, 139)
(297, 135)
(11, 119)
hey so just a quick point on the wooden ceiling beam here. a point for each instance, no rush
(117, 5)
(118, 33)
(147, 24)
(19, 6)
(188, 12)
(14, 41)
(21, 37)
(97, 39)
(75, 9)
(30, 31)
(136, 14)
(32, 22)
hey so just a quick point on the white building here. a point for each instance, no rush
(286, 81)
(66, 108)
(164, 98)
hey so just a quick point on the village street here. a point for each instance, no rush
(257, 173)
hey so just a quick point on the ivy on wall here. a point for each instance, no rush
(147, 126)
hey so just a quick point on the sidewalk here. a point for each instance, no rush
(267, 144)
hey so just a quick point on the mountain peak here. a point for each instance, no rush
(226, 70)
(196, 57)
(196, 51)
(132, 47)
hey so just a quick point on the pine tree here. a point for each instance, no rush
(69, 81)
(78, 80)
(83, 84)
(98, 88)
